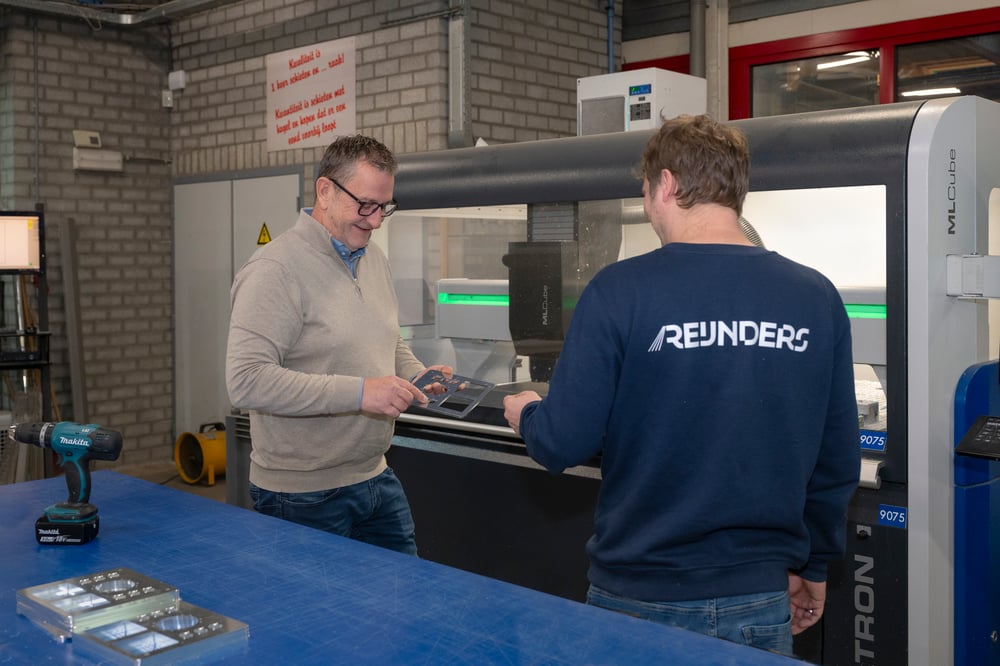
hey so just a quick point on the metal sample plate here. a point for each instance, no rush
(187, 634)
(67, 606)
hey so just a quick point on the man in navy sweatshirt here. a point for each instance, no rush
(715, 379)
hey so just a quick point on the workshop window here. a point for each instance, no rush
(941, 68)
(914, 59)
(836, 81)
(963, 66)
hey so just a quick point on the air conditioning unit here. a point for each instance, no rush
(638, 99)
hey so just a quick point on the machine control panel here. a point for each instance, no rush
(640, 105)
(640, 111)
(983, 439)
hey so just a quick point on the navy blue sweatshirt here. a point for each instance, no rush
(716, 382)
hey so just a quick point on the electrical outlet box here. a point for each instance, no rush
(86, 139)
(167, 97)
(177, 80)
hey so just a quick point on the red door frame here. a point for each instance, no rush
(884, 37)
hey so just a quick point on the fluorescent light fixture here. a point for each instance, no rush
(927, 92)
(851, 58)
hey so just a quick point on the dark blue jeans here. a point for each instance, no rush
(374, 511)
(759, 620)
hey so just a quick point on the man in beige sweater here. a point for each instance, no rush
(315, 355)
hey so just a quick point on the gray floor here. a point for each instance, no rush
(21, 462)
(166, 474)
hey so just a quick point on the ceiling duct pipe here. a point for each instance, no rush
(696, 38)
(161, 13)
(459, 78)
(611, 36)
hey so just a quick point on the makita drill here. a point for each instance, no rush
(74, 521)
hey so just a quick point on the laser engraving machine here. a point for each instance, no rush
(894, 203)
(915, 586)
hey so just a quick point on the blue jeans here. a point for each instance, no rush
(374, 511)
(759, 620)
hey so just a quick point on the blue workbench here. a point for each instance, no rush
(314, 598)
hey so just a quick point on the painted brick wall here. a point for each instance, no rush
(65, 75)
(524, 59)
(219, 118)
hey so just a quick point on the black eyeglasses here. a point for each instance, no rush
(366, 208)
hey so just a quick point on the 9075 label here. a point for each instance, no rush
(873, 440)
(892, 516)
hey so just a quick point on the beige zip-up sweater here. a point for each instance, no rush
(303, 335)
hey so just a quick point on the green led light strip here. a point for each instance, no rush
(501, 300)
(854, 310)
(861, 311)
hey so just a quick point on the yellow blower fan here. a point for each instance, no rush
(201, 456)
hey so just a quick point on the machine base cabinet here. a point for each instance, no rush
(517, 524)
(865, 617)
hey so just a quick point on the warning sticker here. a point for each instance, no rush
(264, 237)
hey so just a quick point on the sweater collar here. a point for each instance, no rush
(350, 258)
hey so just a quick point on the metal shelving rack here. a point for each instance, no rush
(24, 347)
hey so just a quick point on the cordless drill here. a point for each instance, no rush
(74, 521)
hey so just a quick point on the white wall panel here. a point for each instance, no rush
(216, 228)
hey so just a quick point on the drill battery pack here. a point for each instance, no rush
(66, 534)
(67, 524)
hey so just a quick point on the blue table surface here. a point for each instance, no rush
(314, 598)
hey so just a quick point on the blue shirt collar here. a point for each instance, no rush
(350, 258)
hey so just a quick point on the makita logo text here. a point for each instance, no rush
(73, 441)
(41, 531)
(767, 334)
(952, 190)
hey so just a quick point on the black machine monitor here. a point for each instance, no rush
(21, 242)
